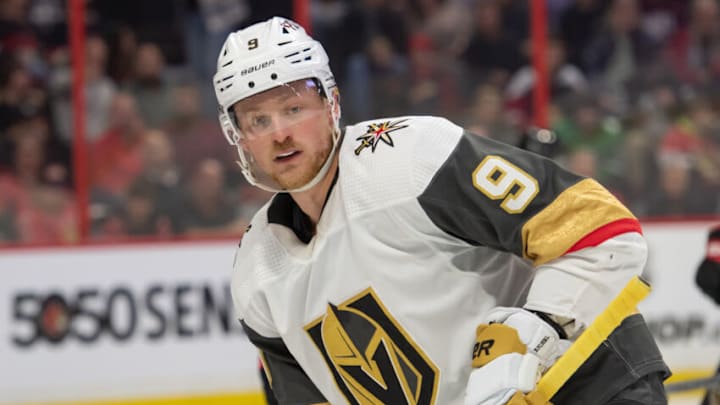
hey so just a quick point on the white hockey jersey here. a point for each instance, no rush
(425, 229)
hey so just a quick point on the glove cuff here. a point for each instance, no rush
(539, 336)
(548, 319)
(497, 382)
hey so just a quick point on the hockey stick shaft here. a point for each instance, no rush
(707, 382)
(621, 307)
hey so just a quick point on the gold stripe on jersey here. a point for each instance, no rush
(577, 211)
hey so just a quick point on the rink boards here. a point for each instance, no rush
(153, 323)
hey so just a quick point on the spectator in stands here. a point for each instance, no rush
(149, 86)
(123, 44)
(688, 152)
(8, 231)
(162, 173)
(448, 23)
(676, 11)
(18, 38)
(99, 92)
(486, 116)
(659, 101)
(709, 157)
(207, 210)
(345, 28)
(24, 102)
(639, 165)
(157, 21)
(48, 19)
(376, 18)
(677, 195)
(251, 199)
(37, 193)
(206, 25)
(375, 37)
(435, 81)
(49, 216)
(618, 51)
(194, 136)
(139, 216)
(116, 157)
(379, 81)
(409, 65)
(19, 96)
(694, 50)
(26, 162)
(696, 136)
(492, 54)
(587, 126)
(263, 9)
(565, 80)
(159, 165)
(583, 161)
(578, 24)
(13, 20)
(329, 19)
(29, 150)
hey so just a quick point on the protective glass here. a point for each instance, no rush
(294, 107)
(279, 108)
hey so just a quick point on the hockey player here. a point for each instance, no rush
(372, 275)
(707, 277)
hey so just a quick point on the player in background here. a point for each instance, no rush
(707, 278)
(390, 245)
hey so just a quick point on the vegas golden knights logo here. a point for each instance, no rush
(372, 358)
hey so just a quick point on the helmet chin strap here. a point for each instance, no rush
(250, 176)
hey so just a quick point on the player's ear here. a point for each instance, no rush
(329, 114)
(335, 105)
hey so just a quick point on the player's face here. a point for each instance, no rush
(288, 132)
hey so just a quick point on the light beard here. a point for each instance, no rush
(303, 174)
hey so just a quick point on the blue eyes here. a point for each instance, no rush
(264, 121)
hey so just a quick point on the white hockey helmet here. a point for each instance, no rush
(261, 57)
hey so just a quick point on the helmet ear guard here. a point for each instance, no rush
(234, 138)
(228, 129)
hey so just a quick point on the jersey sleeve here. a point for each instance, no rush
(493, 194)
(287, 379)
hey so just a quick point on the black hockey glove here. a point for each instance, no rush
(708, 274)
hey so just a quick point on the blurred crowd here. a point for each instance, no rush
(634, 101)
